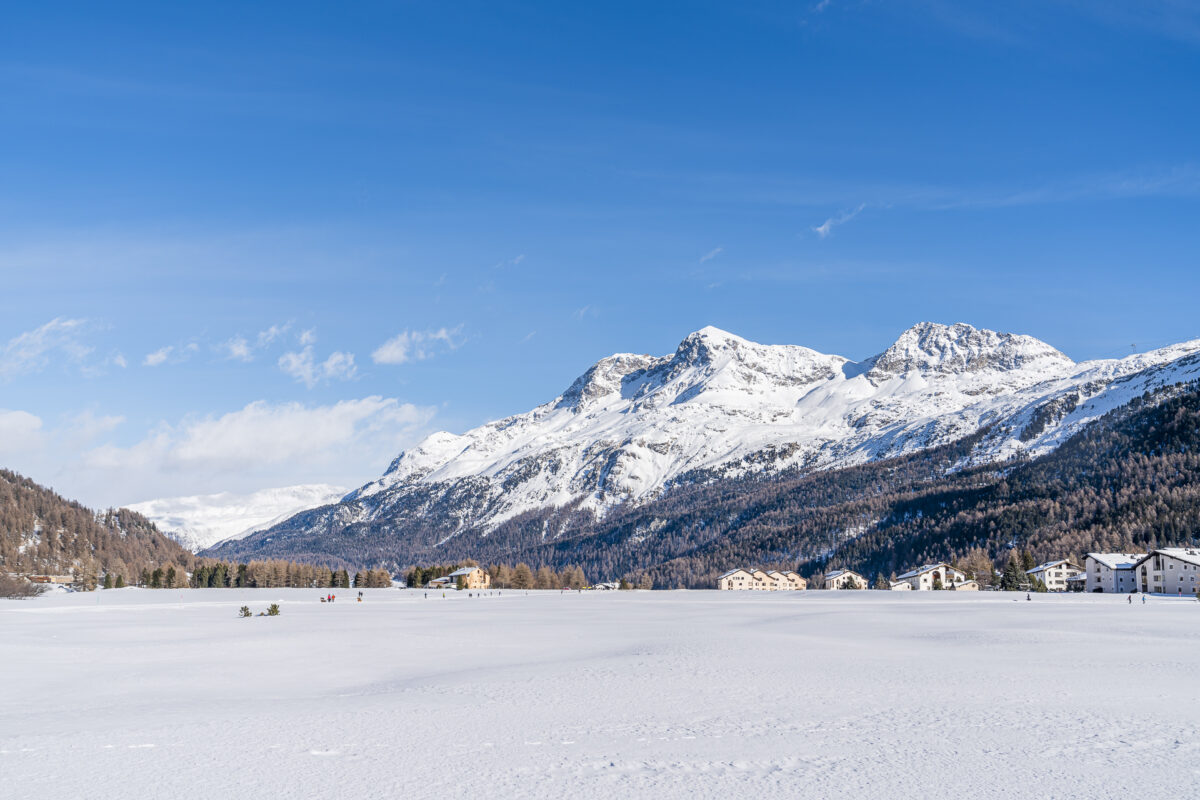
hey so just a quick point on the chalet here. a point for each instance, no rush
(472, 578)
(1111, 572)
(1055, 574)
(844, 579)
(1169, 570)
(900, 586)
(933, 576)
(966, 586)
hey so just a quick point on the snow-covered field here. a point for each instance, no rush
(132, 693)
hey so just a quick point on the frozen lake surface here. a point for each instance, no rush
(136, 693)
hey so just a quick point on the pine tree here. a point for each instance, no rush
(120, 582)
(1013, 577)
(108, 580)
(522, 577)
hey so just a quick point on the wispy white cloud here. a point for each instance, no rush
(239, 348)
(158, 357)
(409, 346)
(236, 348)
(711, 254)
(509, 262)
(33, 350)
(527, 337)
(826, 228)
(586, 311)
(271, 335)
(303, 366)
(170, 354)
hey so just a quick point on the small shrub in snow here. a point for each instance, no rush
(273, 610)
(245, 612)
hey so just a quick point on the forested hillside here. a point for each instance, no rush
(1129, 481)
(42, 532)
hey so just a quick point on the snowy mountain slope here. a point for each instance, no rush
(721, 406)
(201, 521)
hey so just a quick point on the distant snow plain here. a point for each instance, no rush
(157, 693)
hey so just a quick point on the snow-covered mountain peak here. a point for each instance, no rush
(929, 348)
(605, 377)
(633, 425)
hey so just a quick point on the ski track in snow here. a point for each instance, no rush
(132, 693)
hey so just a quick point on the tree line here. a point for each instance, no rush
(505, 576)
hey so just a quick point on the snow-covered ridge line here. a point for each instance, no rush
(631, 424)
(202, 521)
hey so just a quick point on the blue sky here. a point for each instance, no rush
(213, 217)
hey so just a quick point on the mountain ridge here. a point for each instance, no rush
(722, 407)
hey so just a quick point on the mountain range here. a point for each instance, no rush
(201, 521)
(636, 430)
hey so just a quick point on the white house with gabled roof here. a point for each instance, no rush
(1111, 572)
(1055, 574)
(844, 579)
(929, 576)
(743, 580)
(1170, 571)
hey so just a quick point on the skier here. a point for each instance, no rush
(1131, 599)
(1143, 599)
(1027, 597)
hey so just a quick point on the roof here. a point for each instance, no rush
(837, 573)
(1117, 560)
(927, 568)
(1049, 564)
(462, 571)
(734, 572)
(1186, 554)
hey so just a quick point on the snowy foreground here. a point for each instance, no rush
(133, 693)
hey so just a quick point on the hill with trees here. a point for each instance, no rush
(43, 532)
